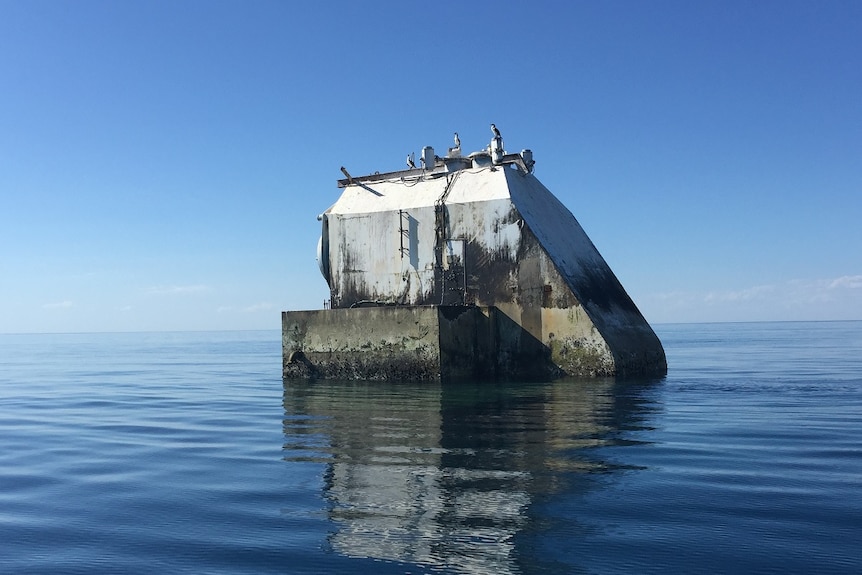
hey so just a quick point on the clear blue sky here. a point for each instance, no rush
(162, 163)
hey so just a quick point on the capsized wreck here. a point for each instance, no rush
(464, 267)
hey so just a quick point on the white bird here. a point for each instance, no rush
(410, 163)
(457, 140)
(495, 130)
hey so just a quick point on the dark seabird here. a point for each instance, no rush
(457, 140)
(410, 163)
(495, 130)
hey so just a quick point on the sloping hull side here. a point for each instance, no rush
(635, 347)
(517, 277)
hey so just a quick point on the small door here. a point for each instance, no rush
(454, 272)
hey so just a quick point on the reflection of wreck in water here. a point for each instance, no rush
(445, 476)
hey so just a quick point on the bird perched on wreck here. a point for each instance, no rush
(410, 163)
(495, 130)
(457, 141)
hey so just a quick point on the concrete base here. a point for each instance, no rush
(412, 343)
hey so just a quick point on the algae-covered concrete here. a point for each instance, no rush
(411, 343)
(364, 343)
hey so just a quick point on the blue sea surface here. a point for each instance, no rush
(187, 453)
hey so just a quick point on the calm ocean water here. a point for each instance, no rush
(186, 453)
